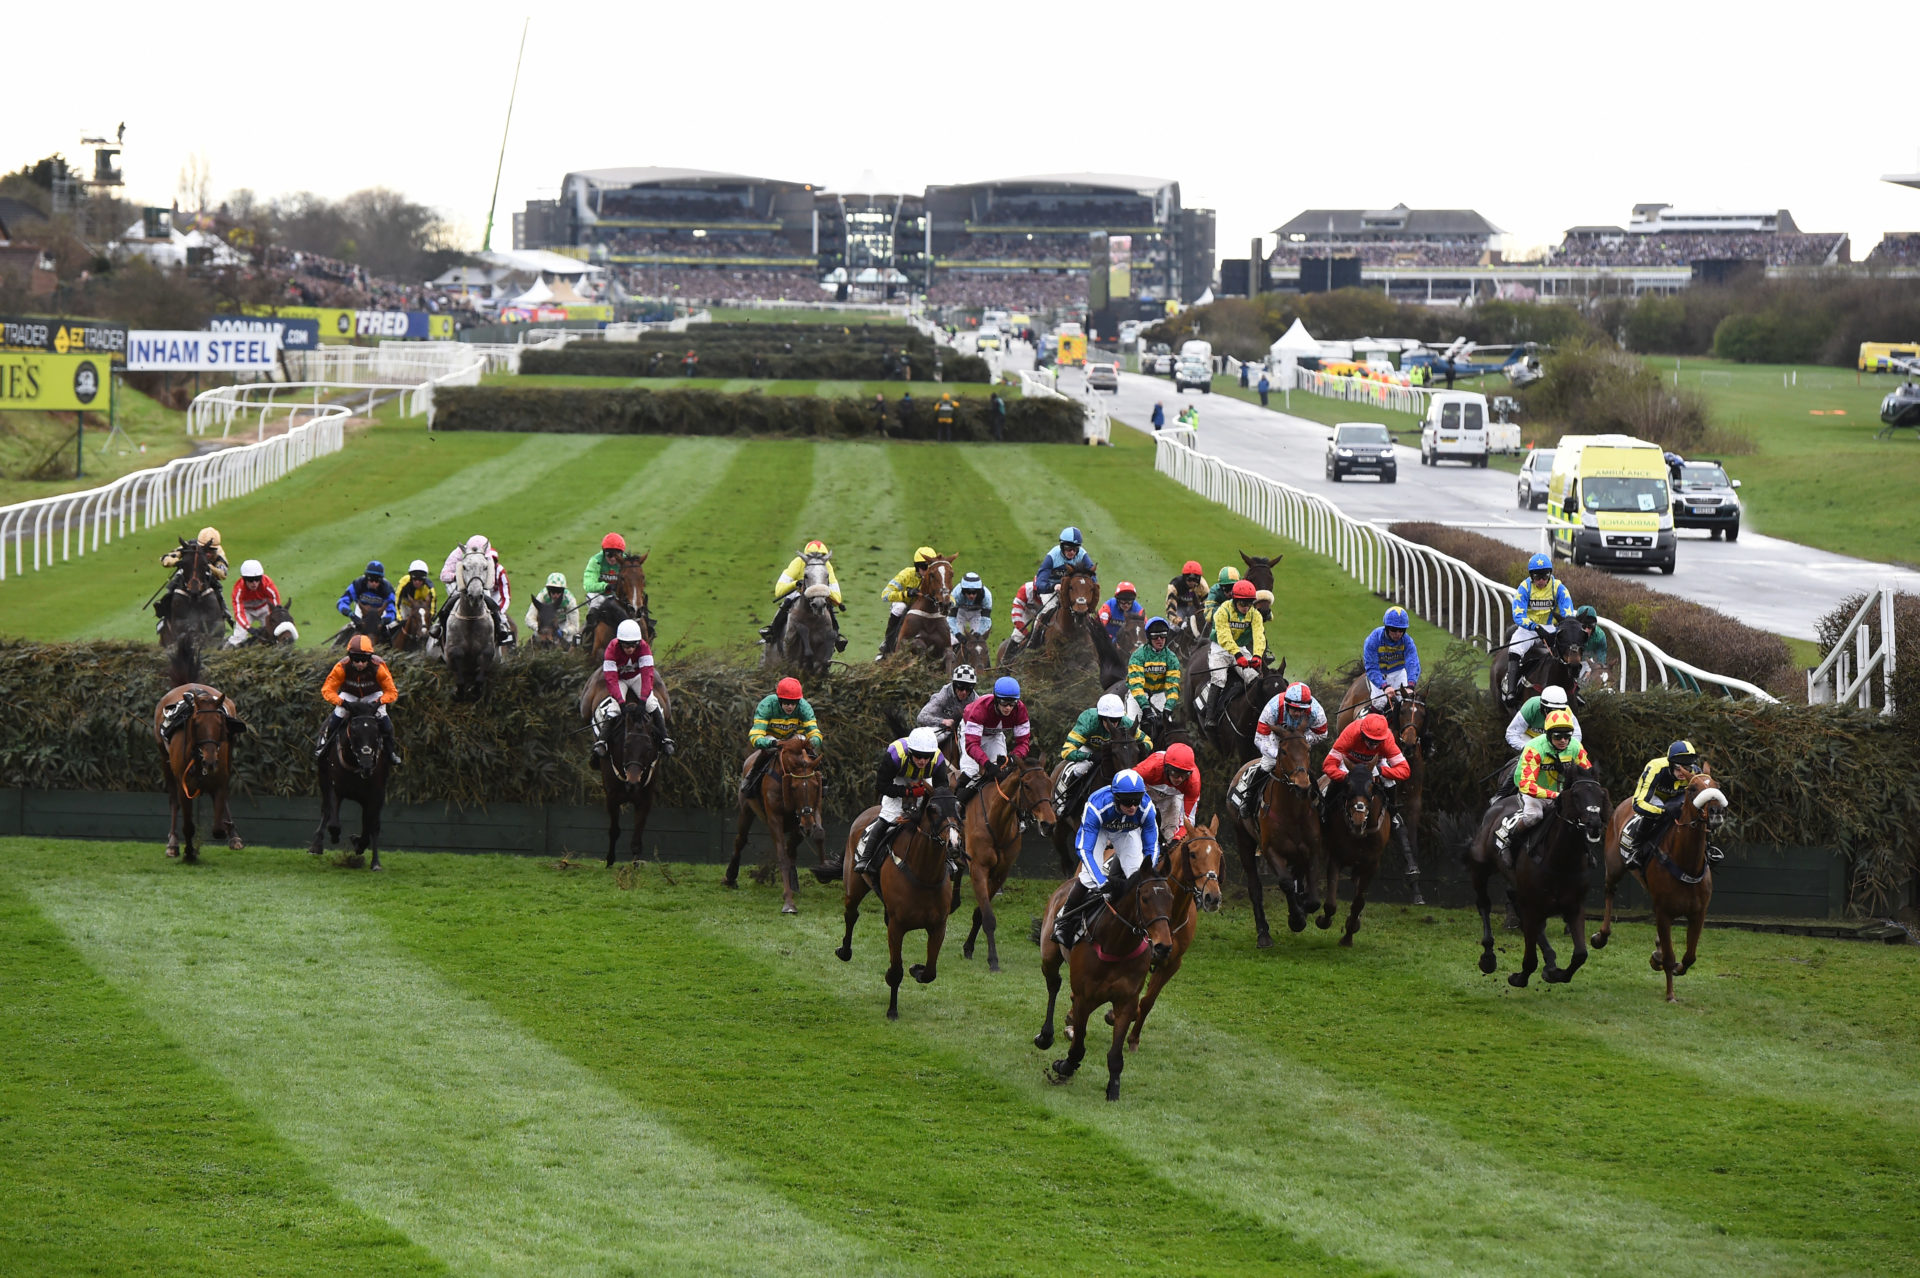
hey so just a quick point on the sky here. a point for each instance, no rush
(1556, 116)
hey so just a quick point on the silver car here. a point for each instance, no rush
(1535, 471)
(1104, 377)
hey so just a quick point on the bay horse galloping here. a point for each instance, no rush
(355, 767)
(1353, 839)
(970, 647)
(1552, 662)
(1019, 793)
(624, 600)
(1549, 876)
(1260, 569)
(193, 597)
(1233, 731)
(628, 773)
(369, 618)
(195, 725)
(415, 618)
(787, 800)
(1193, 868)
(1109, 966)
(276, 627)
(1408, 715)
(924, 630)
(1285, 833)
(916, 887)
(1677, 876)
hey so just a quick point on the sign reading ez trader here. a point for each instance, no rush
(62, 336)
(63, 383)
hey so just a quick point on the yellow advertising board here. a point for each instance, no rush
(338, 325)
(55, 383)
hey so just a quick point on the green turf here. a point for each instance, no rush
(926, 390)
(518, 1070)
(27, 440)
(720, 517)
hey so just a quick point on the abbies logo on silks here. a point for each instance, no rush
(86, 381)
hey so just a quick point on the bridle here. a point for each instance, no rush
(1304, 785)
(804, 814)
(1140, 930)
(198, 763)
(1022, 806)
(1199, 881)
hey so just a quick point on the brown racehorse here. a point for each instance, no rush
(1408, 715)
(1233, 732)
(1677, 878)
(626, 600)
(1549, 875)
(1260, 569)
(788, 802)
(369, 618)
(916, 887)
(1107, 760)
(416, 618)
(1108, 966)
(1076, 609)
(628, 773)
(198, 753)
(1193, 867)
(1354, 838)
(194, 607)
(924, 630)
(1285, 833)
(276, 628)
(354, 767)
(995, 819)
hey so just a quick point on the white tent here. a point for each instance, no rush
(1296, 344)
(538, 295)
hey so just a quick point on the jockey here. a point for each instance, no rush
(1097, 729)
(358, 677)
(602, 570)
(566, 620)
(944, 708)
(1122, 608)
(1366, 741)
(369, 587)
(418, 585)
(1545, 767)
(986, 727)
(1530, 720)
(786, 592)
(1542, 603)
(899, 592)
(1153, 671)
(1186, 593)
(497, 596)
(1594, 647)
(1173, 784)
(783, 713)
(1391, 658)
(216, 558)
(1657, 799)
(1239, 639)
(1025, 605)
(1222, 589)
(627, 666)
(1119, 833)
(1055, 564)
(910, 768)
(254, 596)
(1295, 710)
(972, 598)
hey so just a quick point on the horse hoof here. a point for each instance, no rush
(1043, 1040)
(312, 851)
(1653, 960)
(993, 965)
(788, 909)
(893, 1013)
(729, 883)
(1109, 1016)
(1518, 980)
(844, 954)
(1346, 940)
(610, 866)
(1599, 941)
(1113, 1091)
(1296, 922)
(1133, 1045)
(1488, 963)
(1555, 976)
(377, 866)
(1264, 941)
(920, 973)
(1323, 921)
(966, 951)
(174, 852)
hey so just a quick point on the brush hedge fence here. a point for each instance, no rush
(813, 355)
(80, 719)
(632, 410)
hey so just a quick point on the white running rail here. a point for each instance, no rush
(255, 403)
(1360, 390)
(1836, 680)
(92, 519)
(1433, 586)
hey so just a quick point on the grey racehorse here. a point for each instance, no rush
(807, 642)
(470, 646)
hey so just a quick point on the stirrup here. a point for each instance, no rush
(1715, 854)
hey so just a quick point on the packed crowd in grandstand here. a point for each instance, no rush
(1062, 210)
(697, 284)
(1012, 292)
(311, 279)
(1897, 248)
(1018, 248)
(1664, 249)
(1382, 254)
(654, 206)
(683, 244)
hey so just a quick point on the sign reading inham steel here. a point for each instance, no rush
(178, 352)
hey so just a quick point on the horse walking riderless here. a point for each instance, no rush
(1353, 839)
(916, 886)
(1408, 715)
(995, 819)
(788, 802)
(1549, 876)
(1193, 868)
(194, 726)
(470, 645)
(355, 767)
(1677, 875)
(1109, 967)
(193, 605)
(924, 629)
(625, 601)
(1552, 662)
(1284, 831)
(629, 772)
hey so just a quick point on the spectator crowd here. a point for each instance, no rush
(706, 284)
(1019, 248)
(1010, 292)
(1773, 248)
(686, 244)
(1382, 253)
(1896, 248)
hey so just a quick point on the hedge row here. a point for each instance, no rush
(636, 411)
(869, 363)
(1687, 630)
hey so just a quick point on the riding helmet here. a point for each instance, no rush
(1070, 536)
(1157, 625)
(1299, 696)
(375, 568)
(788, 689)
(557, 579)
(359, 646)
(479, 543)
(925, 555)
(1007, 687)
(816, 547)
(966, 675)
(613, 541)
(252, 568)
(1244, 590)
(1540, 562)
(629, 632)
(1374, 727)
(1192, 568)
(1127, 781)
(1180, 755)
(1682, 752)
(418, 565)
(923, 741)
(1396, 619)
(1553, 695)
(209, 536)
(1228, 574)
(1560, 720)
(1110, 707)
(1124, 588)
(972, 582)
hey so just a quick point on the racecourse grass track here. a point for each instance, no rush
(784, 387)
(720, 517)
(488, 1065)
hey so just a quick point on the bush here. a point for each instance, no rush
(637, 411)
(1821, 320)
(1247, 327)
(1591, 388)
(1681, 628)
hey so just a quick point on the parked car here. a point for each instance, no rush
(1534, 473)
(1703, 497)
(1158, 361)
(1103, 377)
(1361, 448)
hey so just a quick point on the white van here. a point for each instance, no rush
(1455, 429)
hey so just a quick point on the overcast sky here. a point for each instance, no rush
(1557, 116)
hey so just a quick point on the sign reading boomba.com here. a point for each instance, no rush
(63, 336)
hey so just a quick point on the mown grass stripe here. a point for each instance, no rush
(485, 1146)
(850, 496)
(122, 1154)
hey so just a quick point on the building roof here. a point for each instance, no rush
(1131, 184)
(1396, 222)
(650, 176)
(16, 216)
(1903, 179)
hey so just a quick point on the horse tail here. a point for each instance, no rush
(183, 664)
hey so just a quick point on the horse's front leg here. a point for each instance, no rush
(856, 890)
(1331, 901)
(896, 930)
(223, 819)
(742, 825)
(1696, 919)
(642, 806)
(783, 853)
(936, 937)
(1155, 983)
(1126, 1010)
(175, 793)
(1051, 957)
(370, 828)
(1256, 892)
(1534, 928)
(984, 919)
(1605, 933)
(1482, 872)
(1577, 926)
(1662, 959)
(189, 852)
(1077, 1013)
(613, 824)
(1362, 880)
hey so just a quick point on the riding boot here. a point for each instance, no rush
(1068, 923)
(327, 728)
(1630, 841)
(750, 781)
(386, 739)
(599, 739)
(502, 632)
(893, 633)
(1243, 790)
(659, 719)
(1503, 839)
(437, 630)
(866, 858)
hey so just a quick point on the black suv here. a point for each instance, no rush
(1361, 448)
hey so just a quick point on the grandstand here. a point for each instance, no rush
(1398, 236)
(1706, 241)
(875, 243)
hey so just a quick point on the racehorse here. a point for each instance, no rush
(276, 628)
(916, 886)
(1549, 876)
(1677, 877)
(1552, 662)
(1408, 715)
(354, 767)
(807, 642)
(625, 599)
(1233, 731)
(193, 606)
(1107, 760)
(1108, 966)
(994, 821)
(1353, 840)
(1076, 605)
(969, 649)
(469, 644)
(924, 629)
(198, 751)
(1193, 868)
(1112, 658)
(1285, 833)
(548, 616)
(1260, 569)
(788, 803)
(628, 773)
(415, 620)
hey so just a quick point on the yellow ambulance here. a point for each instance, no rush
(1608, 502)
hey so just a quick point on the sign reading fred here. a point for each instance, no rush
(181, 352)
(58, 383)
